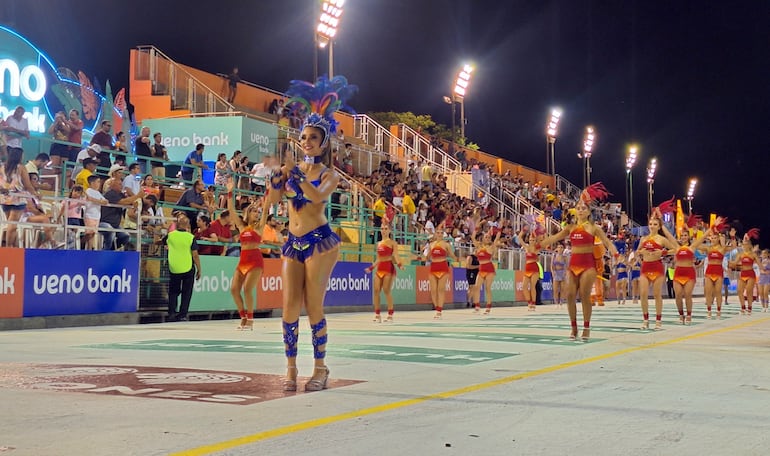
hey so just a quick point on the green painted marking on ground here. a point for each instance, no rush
(490, 337)
(375, 352)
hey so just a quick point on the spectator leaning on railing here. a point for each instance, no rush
(193, 199)
(112, 216)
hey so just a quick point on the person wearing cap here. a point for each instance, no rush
(89, 166)
(91, 151)
(132, 184)
(115, 172)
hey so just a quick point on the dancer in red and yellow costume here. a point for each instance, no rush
(531, 269)
(714, 274)
(652, 248)
(745, 262)
(384, 268)
(312, 248)
(486, 251)
(250, 265)
(581, 272)
(684, 271)
(438, 252)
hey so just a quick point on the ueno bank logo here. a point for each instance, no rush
(79, 283)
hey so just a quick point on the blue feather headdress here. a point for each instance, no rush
(317, 103)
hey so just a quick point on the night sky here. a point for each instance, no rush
(688, 81)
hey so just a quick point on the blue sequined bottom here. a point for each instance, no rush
(300, 248)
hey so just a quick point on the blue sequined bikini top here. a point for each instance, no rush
(295, 194)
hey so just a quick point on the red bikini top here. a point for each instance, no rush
(651, 245)
(249, 235)
(437, 251)
(384, 250)
(530, 257)
(579, 237)
(685, 254)
(483, 256)
(716, 255)
(747, 260)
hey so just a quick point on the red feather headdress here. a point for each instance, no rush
(594, 192)
(693, 220)
(668, 206)
(752, 234)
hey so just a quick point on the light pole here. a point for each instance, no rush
(328, 22)
(450, 101)
(550, 141)
(458, 95)
(588, 146)
(630, 162)
(652, 166)
(691, 193)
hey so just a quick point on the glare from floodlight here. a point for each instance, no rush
(463, 80)
(651, 168)
(588, 141)
(691, 188)
(631, 158)
(553, 123)
(329, 21)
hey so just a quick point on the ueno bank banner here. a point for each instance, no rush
(219, 134)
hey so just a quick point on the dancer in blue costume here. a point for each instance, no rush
(312, 248)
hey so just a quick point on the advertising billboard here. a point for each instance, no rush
(73, 282)
(218, 134)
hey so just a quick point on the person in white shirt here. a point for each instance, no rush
(16, 127)
(93, 210)
(91, 151)
(259, 173)
(132, 183)
(430, 228)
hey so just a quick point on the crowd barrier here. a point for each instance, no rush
(38, 283)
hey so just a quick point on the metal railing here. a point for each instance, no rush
(169, 78)
(421, 146)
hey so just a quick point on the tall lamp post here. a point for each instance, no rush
(451, 101)
(550, 141)
(691, 193)
(458, 96)
(588, 146)
(652, 166)
(630, 162)
(326, 30)
(461, 85)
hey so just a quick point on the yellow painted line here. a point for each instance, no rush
(285, 430)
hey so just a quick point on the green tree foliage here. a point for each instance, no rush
(423, 123)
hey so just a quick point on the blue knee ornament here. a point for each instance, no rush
(319, 341)
(290, 338)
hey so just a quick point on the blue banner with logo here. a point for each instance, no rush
(72, 282)
(459, 285)
(349, 285)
